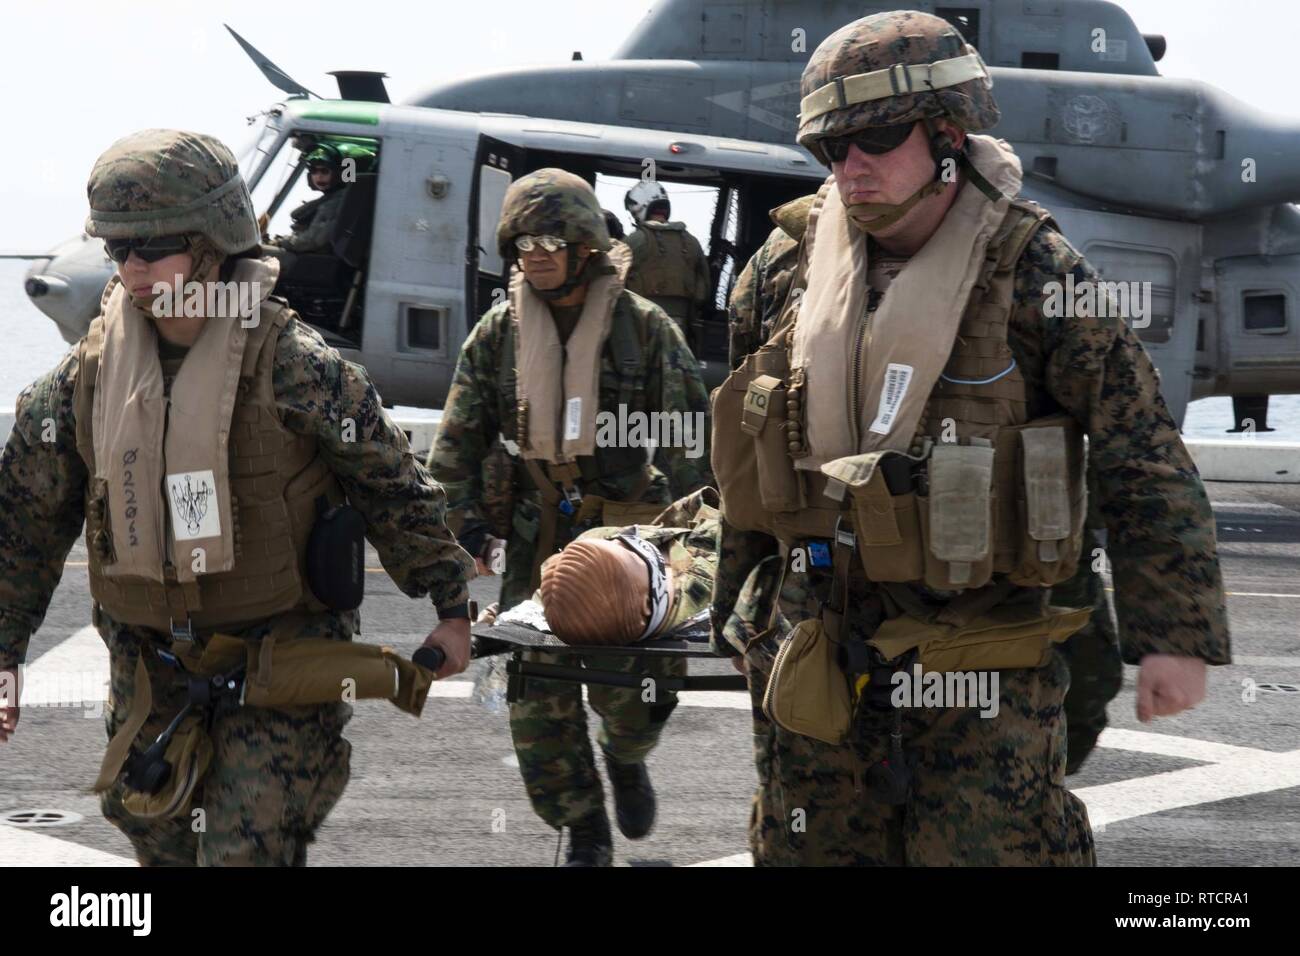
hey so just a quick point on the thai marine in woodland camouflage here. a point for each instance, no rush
(549, 727)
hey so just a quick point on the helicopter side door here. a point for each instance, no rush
(415, 300)
(1158, 265)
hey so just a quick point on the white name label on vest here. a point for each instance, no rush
(897, 378)
(193, 499)
(573, 419)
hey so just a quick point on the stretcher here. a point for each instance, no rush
(530, 648)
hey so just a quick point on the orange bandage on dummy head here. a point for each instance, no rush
(604, 592)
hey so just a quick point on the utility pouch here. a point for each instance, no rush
(957, 518)
(309, 671)
(886, 524)
(1052, 501)
(1001, 638)
(189, 753)
(764, 419)
(336, 556)
(807, 692)
(734, 450)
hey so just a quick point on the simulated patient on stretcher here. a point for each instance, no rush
(620, 586)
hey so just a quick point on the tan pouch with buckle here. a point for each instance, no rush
(808, 693)
(1000, 639)
(190, 753)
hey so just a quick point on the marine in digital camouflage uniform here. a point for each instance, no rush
(983, 791)
(275, 773)
(481, 406)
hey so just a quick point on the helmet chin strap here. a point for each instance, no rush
(576, 275)
(873, 217)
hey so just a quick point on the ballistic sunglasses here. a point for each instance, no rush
(874, 142)
(150, 250)
(549, 243)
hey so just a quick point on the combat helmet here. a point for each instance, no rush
(552, 202)
(164, 182)
(889, 69)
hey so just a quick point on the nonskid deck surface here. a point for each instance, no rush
(1217, 786)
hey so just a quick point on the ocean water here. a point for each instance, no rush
(30, 345)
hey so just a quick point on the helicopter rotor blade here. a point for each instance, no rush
(279, 79)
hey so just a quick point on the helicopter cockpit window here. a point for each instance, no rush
(260, 142)
(492, 186)
(316, 203)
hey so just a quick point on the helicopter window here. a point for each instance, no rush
(965, 19)
(424, 325)
(492, 187)
(1264, 312)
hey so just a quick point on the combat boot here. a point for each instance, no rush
(634, 798)
(590, 842)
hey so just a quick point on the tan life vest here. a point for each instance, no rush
(983, 491)
(276, 478)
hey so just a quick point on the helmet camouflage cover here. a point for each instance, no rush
(892, 68)
(162, 182)
(552, 202)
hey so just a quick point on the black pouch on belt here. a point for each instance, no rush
(336, 556)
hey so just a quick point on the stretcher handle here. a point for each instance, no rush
(430, 658)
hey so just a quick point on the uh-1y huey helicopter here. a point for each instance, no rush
(1160, 181)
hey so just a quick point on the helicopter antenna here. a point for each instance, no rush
(279, 79)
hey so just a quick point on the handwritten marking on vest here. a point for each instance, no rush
(193, 500)
(128, 493)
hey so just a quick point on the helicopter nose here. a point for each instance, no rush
(38, 286)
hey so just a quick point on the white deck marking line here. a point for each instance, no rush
(1241, 776)
(1167, 745)
(1232, 772)
(75, 671)
(22, 847)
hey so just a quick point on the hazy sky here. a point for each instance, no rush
(76, 75)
